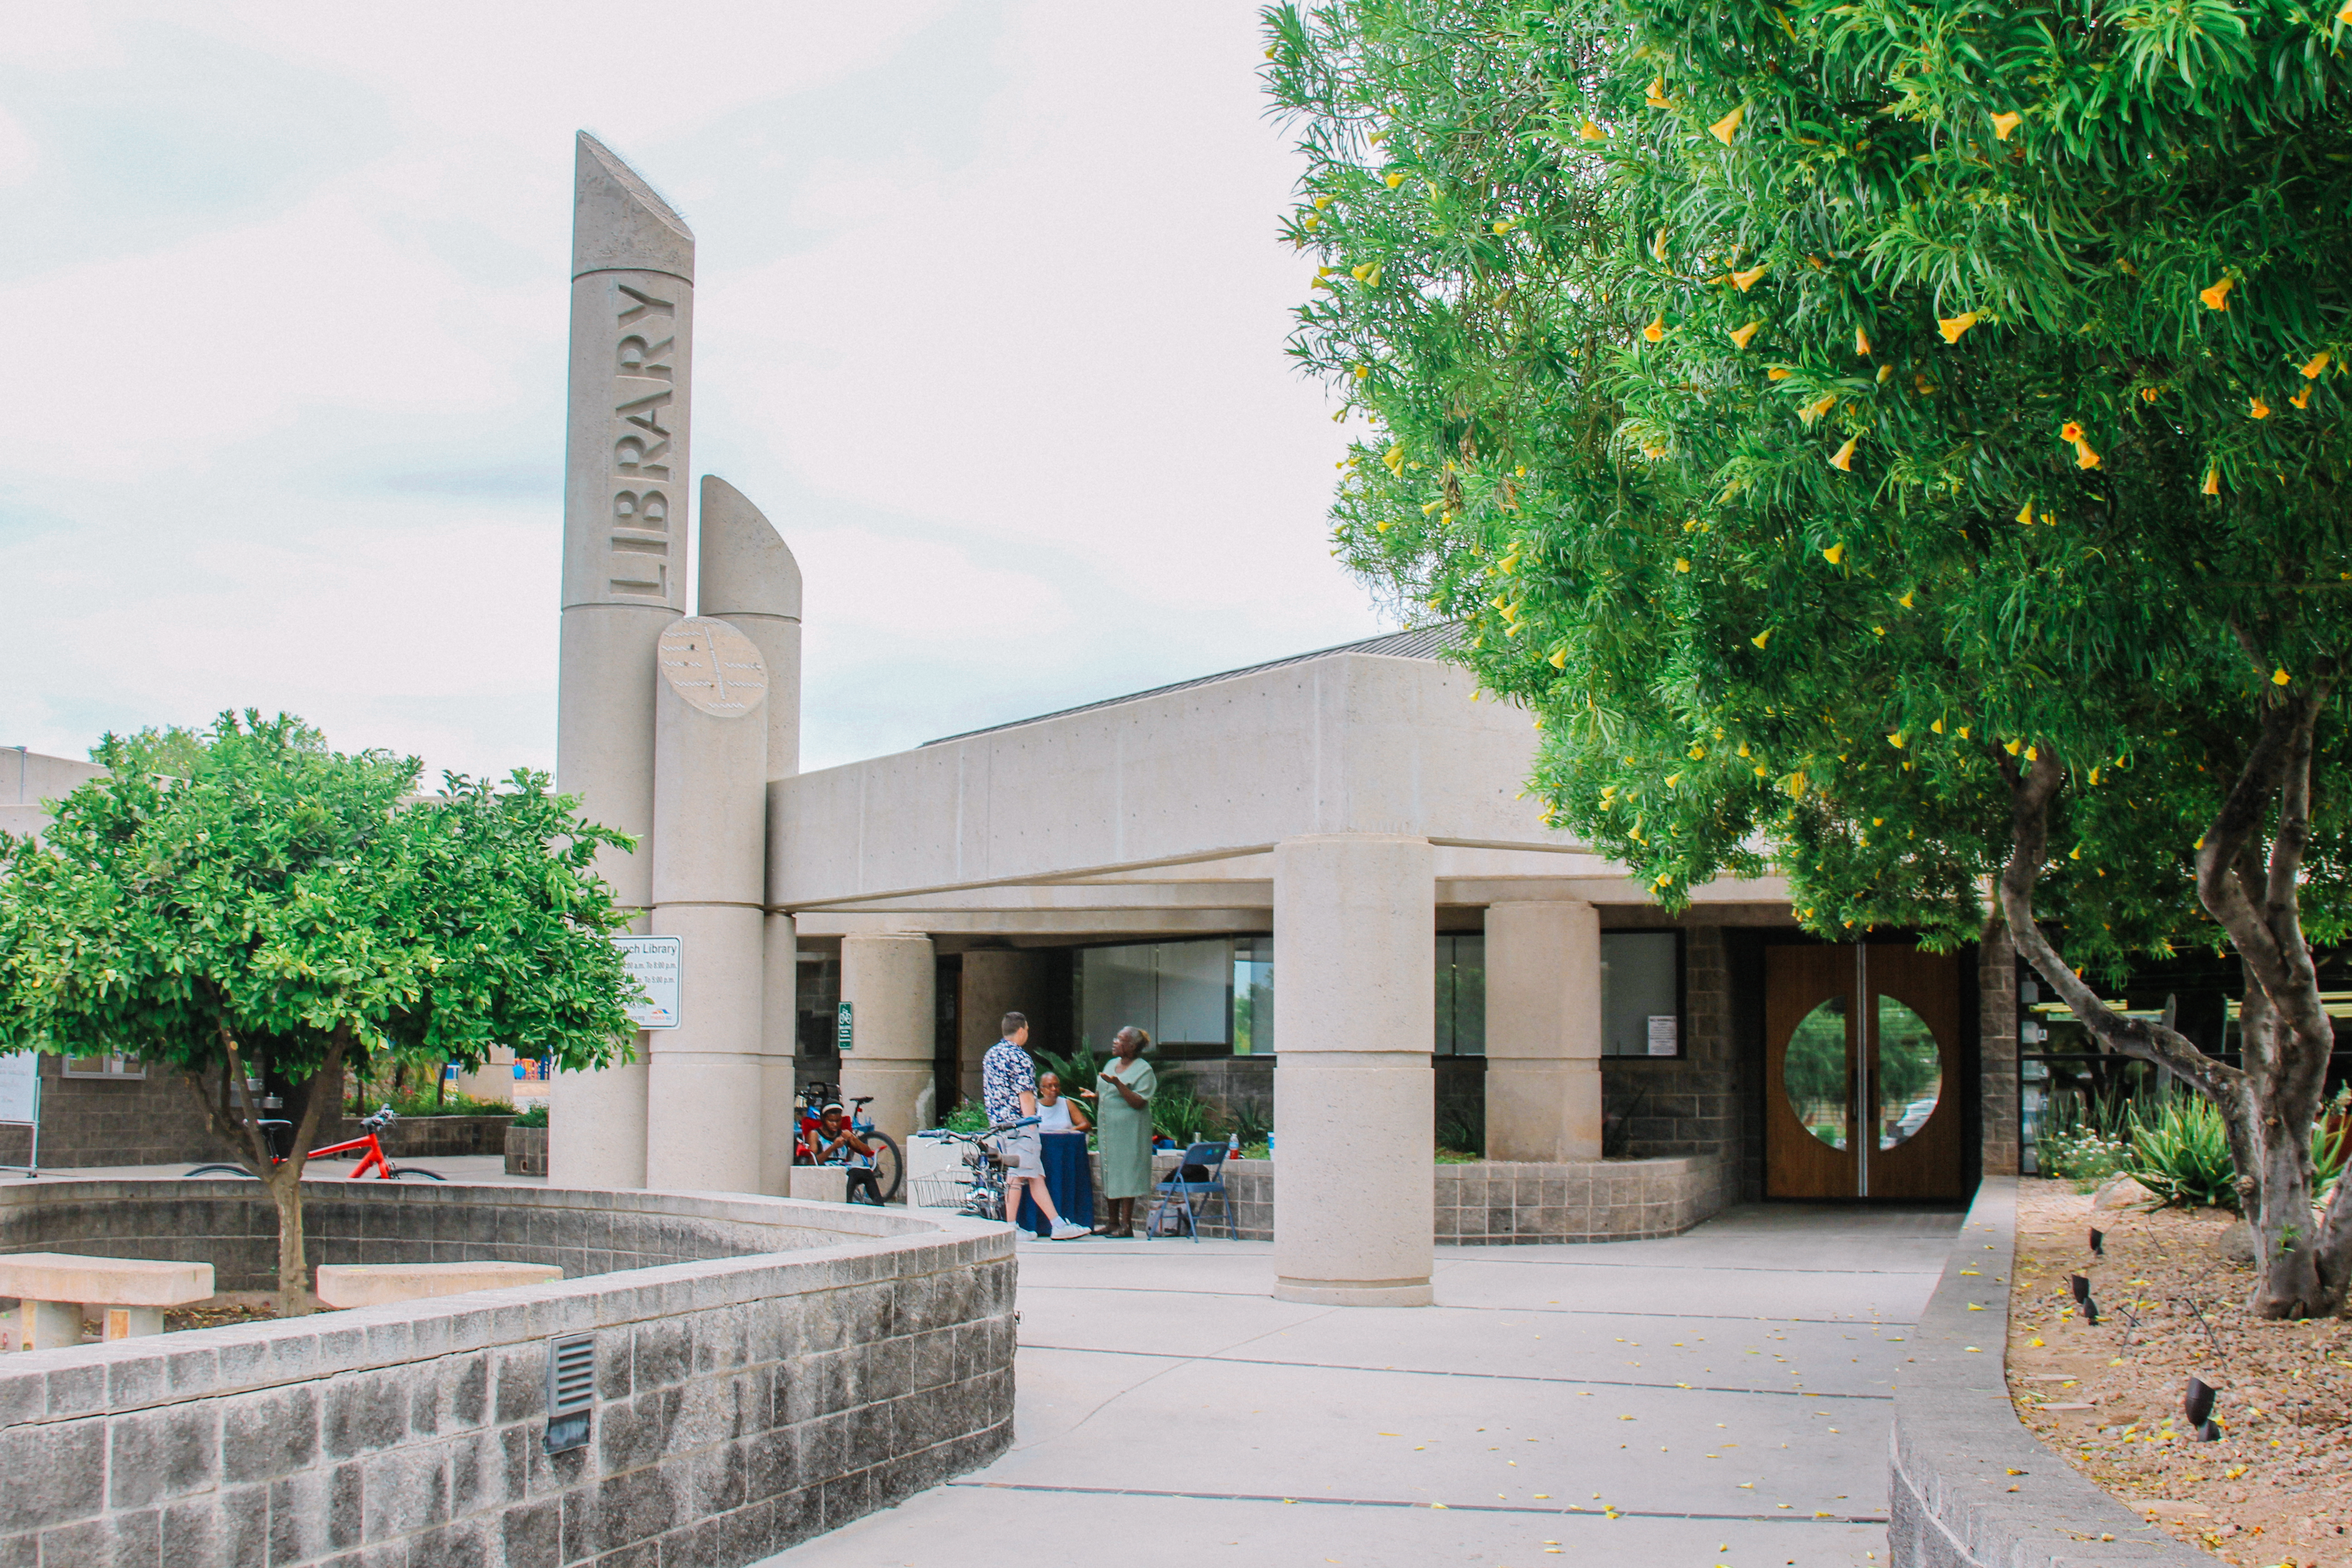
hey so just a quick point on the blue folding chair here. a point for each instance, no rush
(1183, 1185)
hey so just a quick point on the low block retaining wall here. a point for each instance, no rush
(1502, 1203)
(1971, 1487)
(526, 1151)
(783, 1368)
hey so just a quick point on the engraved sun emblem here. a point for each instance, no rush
(714, 667)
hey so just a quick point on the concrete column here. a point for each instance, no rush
(1355, 921)
(625, 531)
(890, 982)
(780, 987)
(706, 1083)
(996, 981)
(1543, 1031)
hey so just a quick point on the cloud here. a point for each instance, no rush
(989, 320)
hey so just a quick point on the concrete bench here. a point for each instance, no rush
(373, 1284)
(129, 1294)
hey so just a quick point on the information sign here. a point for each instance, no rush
(844, 1035)
(654, 961)
(20, 1100)
(1664, 1035)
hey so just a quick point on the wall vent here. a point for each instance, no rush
(570, 1390)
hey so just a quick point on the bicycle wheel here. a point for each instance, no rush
(890, 1166)
(397, 1171)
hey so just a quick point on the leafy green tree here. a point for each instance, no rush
(1898, 443)
(273, 913)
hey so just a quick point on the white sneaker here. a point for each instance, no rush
(1065, 1231)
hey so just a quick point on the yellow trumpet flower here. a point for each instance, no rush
(1953, 326)
(2002, 124)
(1592, 132)
(1962, 731)
(2083, 456)
(1779, 372)
(1697, 753)
(1560, 658)
(1657, 331)
(1728, 127)
(1362, 371)
(2258, 408)
(1311, 221)
(1762, 772)
(2212, 482)
(2316, 364)
(1936, 727)
(2012, 747)
(1741, 335)
(1322, 202)
(1885, 374)
(2147, 394)
(1844, 462)
(1658, 247)
(2217, 297)
(2302, 399)
(1861, 342)
(1898, 740)
(1749, 279)
(1505, 225)
(1394, 458)
(1760, 639)
(1656, 97)
(1359, 271)
(1905, 600)
(1394, 178)
(1814, 410)
(1682, 563)
(2031, 752)
(1834, 553)
(2280, 678)
(1743, 749)
(1508, 563)
(2095, 776)
(2070, 431)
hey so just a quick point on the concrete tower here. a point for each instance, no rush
(749, 579)
(704, 1125)
(625, 567)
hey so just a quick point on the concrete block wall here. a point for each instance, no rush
(1501, 1202)
(231, 1225)
(89, 1122)
(742, 1404)
(1996, 1050)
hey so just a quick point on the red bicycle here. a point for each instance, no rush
(370, 1151)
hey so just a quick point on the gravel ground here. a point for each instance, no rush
(2276, 1490)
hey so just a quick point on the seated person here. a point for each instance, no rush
(832, 1143)
(1055, 1114)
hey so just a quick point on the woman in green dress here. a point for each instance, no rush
(1125, 1100)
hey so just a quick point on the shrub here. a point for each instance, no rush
(969, 1116)
(535, 1117)
(2087, 1138)
(1178, 1111)
(2182, 1155)
(422, 1102)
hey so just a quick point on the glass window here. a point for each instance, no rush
(1641, 993)
(108, 1066)
(1461, 996)
(1253, 997)
(1179, 991)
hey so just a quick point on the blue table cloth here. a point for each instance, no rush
(1068, 1177)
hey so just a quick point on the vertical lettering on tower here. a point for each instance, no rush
(642, 487)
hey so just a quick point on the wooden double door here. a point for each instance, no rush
(1863, 1083)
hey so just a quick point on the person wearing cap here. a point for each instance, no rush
(835, 1142)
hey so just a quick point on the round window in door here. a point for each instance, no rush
(1814, 1075)
(1910, 1073)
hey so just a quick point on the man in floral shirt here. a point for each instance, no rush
(1008, 1086)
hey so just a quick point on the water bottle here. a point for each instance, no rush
(1269, 1144)
(1234, 1144)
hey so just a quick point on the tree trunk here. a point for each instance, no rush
(236, 1121)
(293, 1268)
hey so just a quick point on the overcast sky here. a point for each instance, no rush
(991, 317)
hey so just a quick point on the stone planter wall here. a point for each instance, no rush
(1497, 1203)
(526, 1150)
(806, 1365)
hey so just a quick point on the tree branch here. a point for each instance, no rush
(259, 1144)
(2030, 797)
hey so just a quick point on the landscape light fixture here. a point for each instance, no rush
(2098, 1241)
(2197, 1404)
(2083, 1300)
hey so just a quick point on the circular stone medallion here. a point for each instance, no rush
(713, 666)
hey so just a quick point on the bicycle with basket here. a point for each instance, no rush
(976, 1187)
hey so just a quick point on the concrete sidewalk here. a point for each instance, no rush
(1720, 1397)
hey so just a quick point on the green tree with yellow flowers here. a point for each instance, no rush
(1898, 443)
